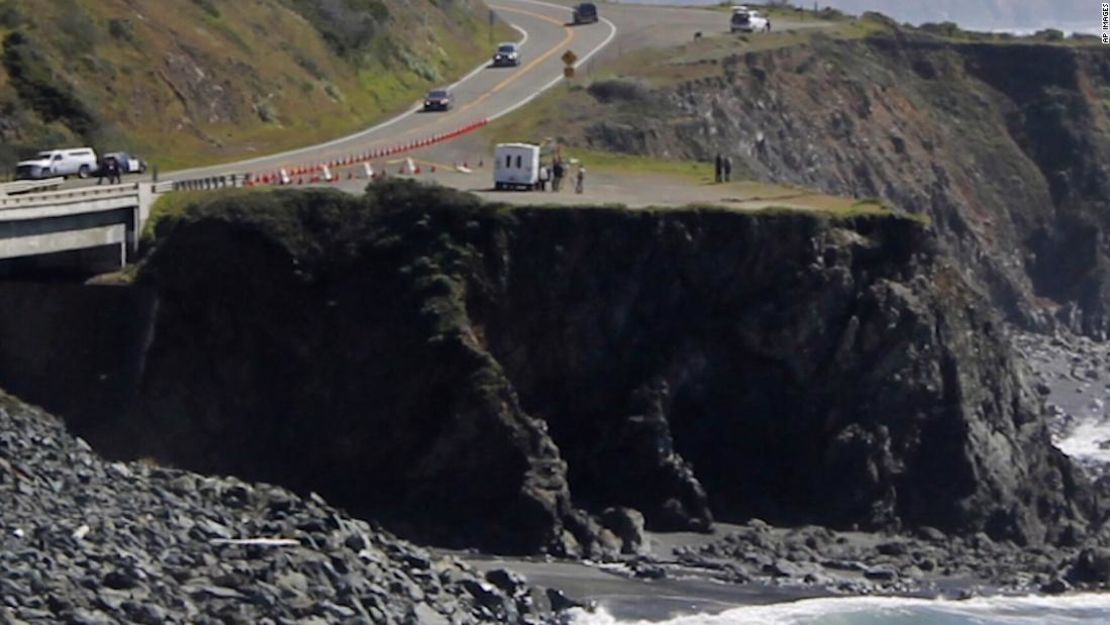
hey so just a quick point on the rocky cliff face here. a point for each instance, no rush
(474, 375)
(1004, 145)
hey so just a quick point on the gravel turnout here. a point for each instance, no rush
(88, 542)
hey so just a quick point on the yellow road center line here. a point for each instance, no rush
(570, 36)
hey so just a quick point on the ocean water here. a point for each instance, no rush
(1083, 609)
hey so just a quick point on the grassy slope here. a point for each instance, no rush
(187, 82)
(565, 112)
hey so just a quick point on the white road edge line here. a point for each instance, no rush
(555, 81)
(351, 137)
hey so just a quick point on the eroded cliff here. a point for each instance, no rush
(1003, 144)
(477, 375)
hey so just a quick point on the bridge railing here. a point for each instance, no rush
(27, 186)
(68, 196)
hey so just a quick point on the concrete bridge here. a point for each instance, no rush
(101, 226)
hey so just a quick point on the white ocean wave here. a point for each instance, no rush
(1086, 440)
(1082, 609)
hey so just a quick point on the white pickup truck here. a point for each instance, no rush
(745, 20)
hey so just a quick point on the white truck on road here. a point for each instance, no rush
(516, 166)
(745, 20)
(80, 162)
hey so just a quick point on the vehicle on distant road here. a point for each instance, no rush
(507, 54)
(516, 166)
(80, 162)
(586, 13)
(439, 100)
(129, 163)
(745, 20)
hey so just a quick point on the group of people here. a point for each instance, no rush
(557, 172)
(111, 169)
(723, 169)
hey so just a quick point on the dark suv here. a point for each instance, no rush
(438, 100)
(585, 13)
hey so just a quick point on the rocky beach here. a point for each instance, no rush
(412, 405)
(84, 541)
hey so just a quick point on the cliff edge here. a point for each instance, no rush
(476, 375)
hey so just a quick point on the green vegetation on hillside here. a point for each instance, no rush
(187, 82)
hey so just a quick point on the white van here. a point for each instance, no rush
(79, 162)
(516, 166)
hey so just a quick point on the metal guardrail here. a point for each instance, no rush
(26, 186)
(208, 183)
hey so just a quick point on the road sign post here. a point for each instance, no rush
(569, 59)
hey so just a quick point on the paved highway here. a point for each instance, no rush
(489, 92)
(486, 93)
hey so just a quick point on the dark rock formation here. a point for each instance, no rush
(471, 375)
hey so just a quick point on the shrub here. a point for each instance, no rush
(1050, 34)
(78, 27)
(122, 30)
(39, 86)
(945, 29)
(349, 27)
(307, 63)
(10, 17)
(619, 90)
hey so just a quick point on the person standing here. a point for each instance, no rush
(101, 171)
(580, 182)
(728, 168)
(718, 169)
(557, 178)
(543, 178)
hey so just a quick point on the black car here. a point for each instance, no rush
(585, 13)
(439, 100)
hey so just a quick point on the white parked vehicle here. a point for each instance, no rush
(79, 162)
(745, 20)
(516, 166)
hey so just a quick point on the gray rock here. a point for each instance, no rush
(1092, 567)
(628, 525)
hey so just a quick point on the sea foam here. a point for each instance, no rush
(1080, 609)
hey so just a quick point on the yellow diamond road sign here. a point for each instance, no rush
(569, 57)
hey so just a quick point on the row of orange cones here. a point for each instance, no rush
(322, 171)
